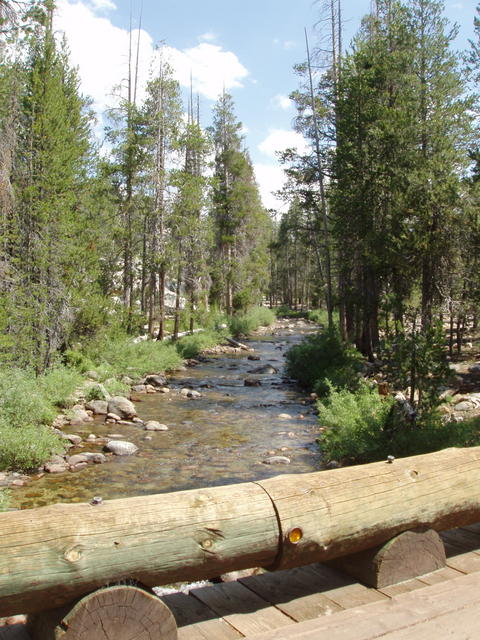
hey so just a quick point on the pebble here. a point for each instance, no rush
(153, 425)
(277, 460)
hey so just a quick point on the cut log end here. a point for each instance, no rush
(113, 613)
(408, 555)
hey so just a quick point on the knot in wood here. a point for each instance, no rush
(73, 554)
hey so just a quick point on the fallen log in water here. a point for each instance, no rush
(51, 555)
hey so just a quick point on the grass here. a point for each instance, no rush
(191, 346)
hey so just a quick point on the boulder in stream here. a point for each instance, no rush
(156, 380)
(252, 382)
(264, 369)
(153, 425)
(277, 460)
(122, 407)
(99, 407)
(121, 447)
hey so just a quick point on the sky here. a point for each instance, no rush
(249, 47)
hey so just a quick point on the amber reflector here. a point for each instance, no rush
(295, 535)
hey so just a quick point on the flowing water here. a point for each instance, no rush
(221, 438)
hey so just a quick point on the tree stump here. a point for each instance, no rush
(408, 555)
(114, 613)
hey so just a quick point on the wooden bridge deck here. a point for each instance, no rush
(317, 601)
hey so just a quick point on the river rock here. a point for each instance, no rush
(122, 407)
(95, 458)
(150, 388)
(72, 438)
(156, 380)
(474, 370)
(76, 459)
(99, 407)
(284, 416)
(265, 369)
(190, 393)
(252, 382)
(113, 416)
(253, 357)
(163, 390)
(56, 464)
(93, 375)
(79, 466)
(99, 392)
(80, 415)
(464, 406)
(277, 460)
(139, 388)
(153, 425)
(121, 447)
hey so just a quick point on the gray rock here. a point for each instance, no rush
(252, 382)
(253, 357)
(139, 388)
(99, 407)
(122, 407)
(153, 425)
(127, 380)
(190, 393)
(474, 370)
(80, 415)
(78, 466)
(95, 458)
(277, 460)
(156, 380)
(113, 416)
(464, 406)
(75, 459)
(99, 391)
(72, 437)
(56, 464)
(93, 375)
(265, 369)
(121, 447)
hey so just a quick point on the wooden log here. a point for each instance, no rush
(237, 344)
(408, 555)
(56, 554)
(334, 513)
(114, 613)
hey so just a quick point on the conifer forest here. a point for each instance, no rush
(159, 231)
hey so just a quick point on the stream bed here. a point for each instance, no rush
(223, 437)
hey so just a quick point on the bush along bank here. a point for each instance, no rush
(365, 413)
(32, 432)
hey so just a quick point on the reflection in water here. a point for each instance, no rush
(220, 438)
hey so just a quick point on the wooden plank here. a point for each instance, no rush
(463, 624)
(402, 587)
(196, 621)
(377, 620)
(294, 592)
(465, 562)
(441, 575)
(341, 589)
(242, 608)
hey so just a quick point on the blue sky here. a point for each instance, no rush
(250, 46)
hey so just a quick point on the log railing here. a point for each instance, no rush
(52, 555)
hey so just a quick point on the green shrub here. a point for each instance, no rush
(355, 424)
(321, 358)
(25, 448)
(283, 311)
(122, 356)
(4, 499)
(78, 360)
(246, 323)
(22, 400)
(59, 384)
(191, 346)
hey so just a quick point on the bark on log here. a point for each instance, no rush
(114, 613)
(55, 554)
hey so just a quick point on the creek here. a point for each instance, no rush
(220, 438)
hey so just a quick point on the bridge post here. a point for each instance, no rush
(121, 612)
(408, 555)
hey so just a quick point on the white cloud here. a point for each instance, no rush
(103, 5)
(270, 178)
(281, 139)
(210, 67)
(209, 36)
(102, 55)
(281, 102)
